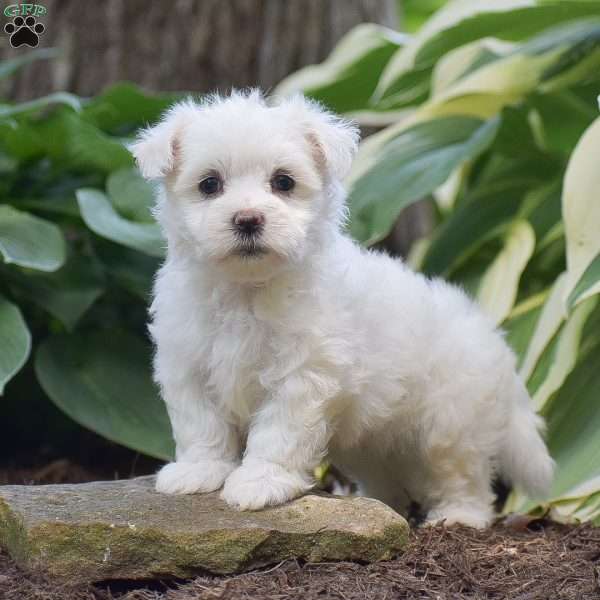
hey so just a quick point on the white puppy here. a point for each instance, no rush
(280, 341)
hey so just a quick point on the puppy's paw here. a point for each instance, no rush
(187, 477)
(478, 517)
(257, 484)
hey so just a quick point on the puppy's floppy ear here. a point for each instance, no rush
(334, 140)
(156, 148)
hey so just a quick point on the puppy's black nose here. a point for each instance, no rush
(248, 221)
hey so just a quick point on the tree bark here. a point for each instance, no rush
(195, 45)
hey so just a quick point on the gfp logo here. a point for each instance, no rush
(24, 29)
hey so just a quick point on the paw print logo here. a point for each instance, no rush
(24, 32)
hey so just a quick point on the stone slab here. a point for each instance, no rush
(126, 530)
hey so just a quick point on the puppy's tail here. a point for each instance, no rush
(524, 458)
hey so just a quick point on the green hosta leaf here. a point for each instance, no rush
(102, 381)
(67, 139)
(581, 207)
(588, 285)
(88, 146)
(29, 241)
(124, 106)
(499, 286)
(15, 341)
(54, 206)
(131, 195)
(58, 98)
(131, 270)
(411, 166)
(346, 80)
(100, 216)
(23, 140)
(67, 293)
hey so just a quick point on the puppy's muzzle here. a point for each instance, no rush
(248, 223)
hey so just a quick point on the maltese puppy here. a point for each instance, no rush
(279, 341)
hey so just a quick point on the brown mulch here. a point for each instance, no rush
(519, 561)
(67, 470)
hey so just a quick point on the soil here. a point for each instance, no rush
(518, 558)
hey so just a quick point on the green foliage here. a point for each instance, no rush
(28, 241)
(78, 249)
(15, 341)
(415, 12)
(491, 110)
(412, 165)
(101, 380)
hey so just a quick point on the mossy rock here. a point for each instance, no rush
(125, 530)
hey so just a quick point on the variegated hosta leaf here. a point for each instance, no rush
(464, 21)
(485, 209)
(560, 356)
(549, 322)
(548, 61)
(581, 213)
(345, 81)
(499, 286)
(573, 424)
(588, 285)
(390, 86)
(572, 380)
(410, 167)
(461, 61)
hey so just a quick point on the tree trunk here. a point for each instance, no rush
(195, 45)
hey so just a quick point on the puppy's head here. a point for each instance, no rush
(248, 183)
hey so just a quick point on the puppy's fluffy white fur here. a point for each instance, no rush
(314, 346)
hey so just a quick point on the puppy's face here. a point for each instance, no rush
(245, 181)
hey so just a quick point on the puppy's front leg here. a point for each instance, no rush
(207, 446)
(286, 441)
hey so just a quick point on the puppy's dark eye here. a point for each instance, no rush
(282, 183)
(211, 185)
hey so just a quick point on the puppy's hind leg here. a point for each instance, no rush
(457, 487)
